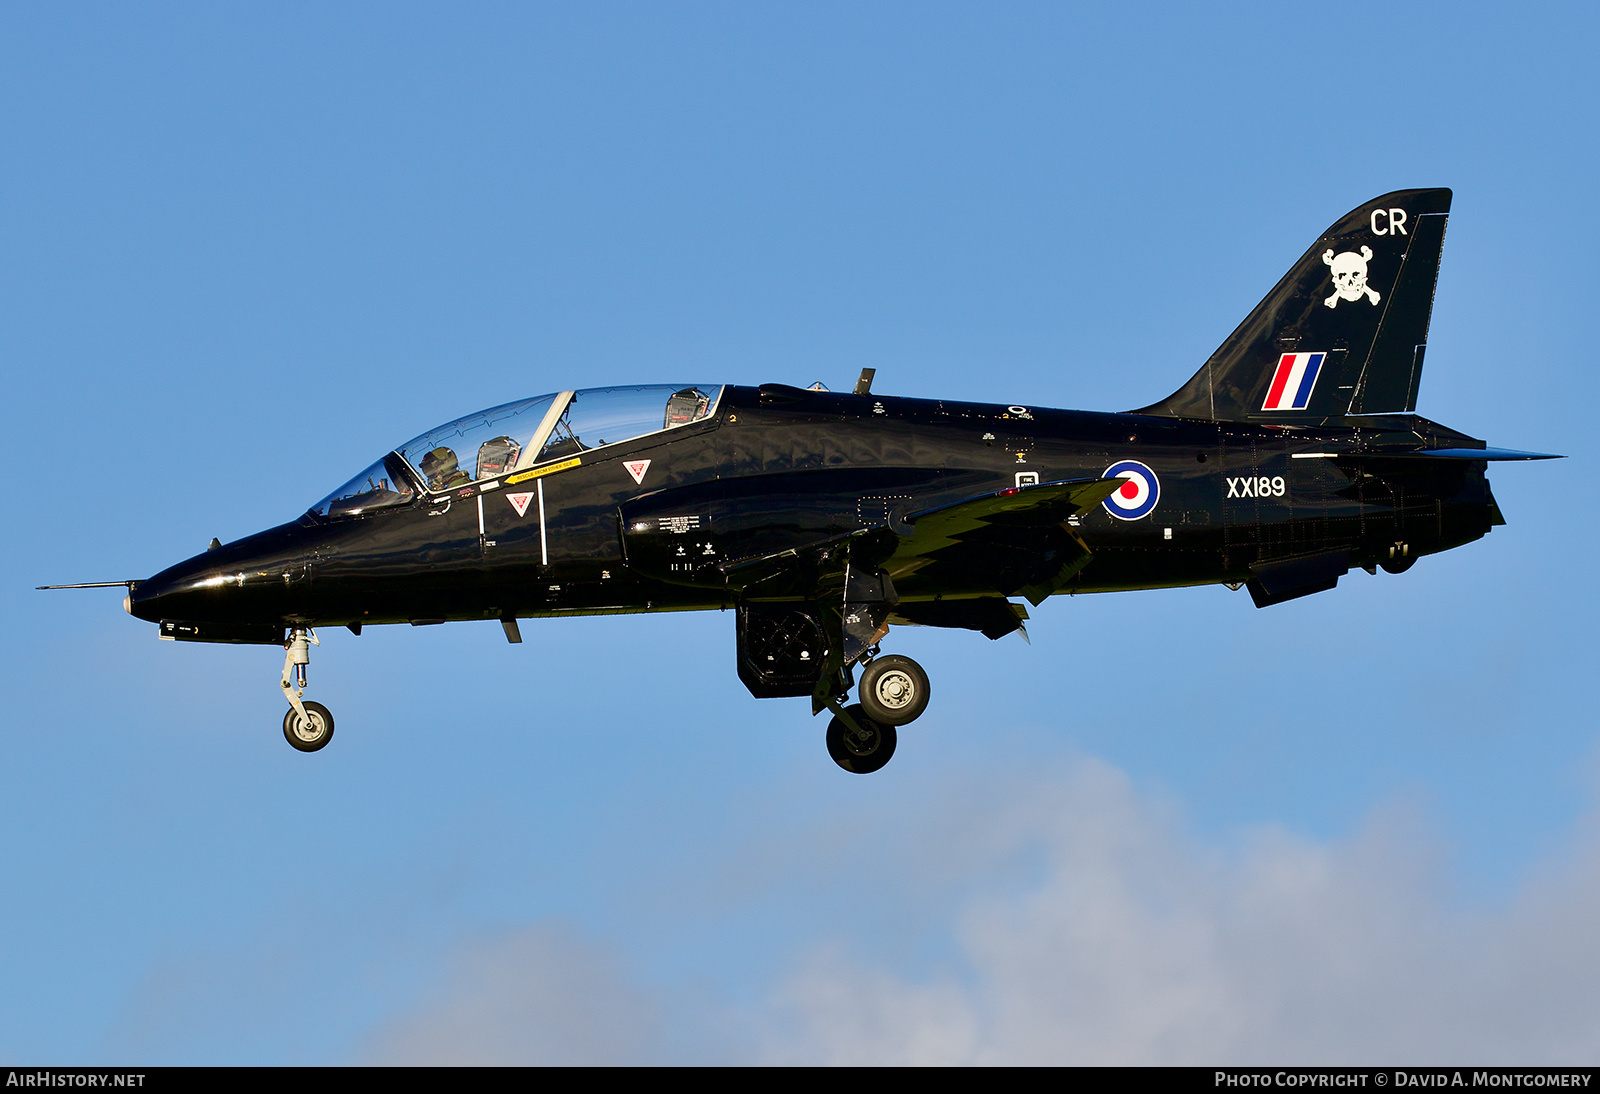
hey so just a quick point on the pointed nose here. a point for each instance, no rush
(177, 592)
(254, 580)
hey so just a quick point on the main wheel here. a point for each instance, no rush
(894, 690)
(312, 734)
(861, 753)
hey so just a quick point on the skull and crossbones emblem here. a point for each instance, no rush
(1349, 276)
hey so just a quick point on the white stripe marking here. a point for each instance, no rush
(544, 548)
(1297, 376)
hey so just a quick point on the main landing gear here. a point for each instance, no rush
(894, 692)
(857, 743)
(307, 726)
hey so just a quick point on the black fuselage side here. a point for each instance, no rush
(778, 469)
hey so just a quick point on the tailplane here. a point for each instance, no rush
(1343, 333)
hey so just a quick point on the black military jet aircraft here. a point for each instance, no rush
(823, 519)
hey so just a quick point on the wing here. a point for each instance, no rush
(1005, 542)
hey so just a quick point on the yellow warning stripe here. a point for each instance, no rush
(540, 472)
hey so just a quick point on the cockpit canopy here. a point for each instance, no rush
(517, 436)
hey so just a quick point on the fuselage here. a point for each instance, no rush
(1291, 455)
(777, 469)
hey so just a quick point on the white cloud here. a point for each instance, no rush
(1137, 945)
(537, 995)
(1101, 933)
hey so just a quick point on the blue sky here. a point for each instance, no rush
(248, 248)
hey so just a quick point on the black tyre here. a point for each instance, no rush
(894, 690)
(312, 736)
(864, 752)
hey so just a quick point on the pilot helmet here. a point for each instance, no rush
(439, 464)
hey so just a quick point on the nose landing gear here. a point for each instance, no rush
(307, 726)
(310, 730)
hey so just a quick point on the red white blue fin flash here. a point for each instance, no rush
(1293, 381)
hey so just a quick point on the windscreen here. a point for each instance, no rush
(381, 486)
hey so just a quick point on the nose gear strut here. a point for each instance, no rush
(307, 726)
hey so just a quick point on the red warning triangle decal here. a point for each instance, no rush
(519, 502)
(637, 468)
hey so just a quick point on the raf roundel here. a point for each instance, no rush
(1137, 496)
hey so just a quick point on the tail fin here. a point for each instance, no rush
(1343, 332)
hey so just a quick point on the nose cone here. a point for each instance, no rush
(255, 580)
(177, 592)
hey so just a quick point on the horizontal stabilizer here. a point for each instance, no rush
(1479, 454)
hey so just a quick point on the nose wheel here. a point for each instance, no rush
(307, 726)
(310, 731)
